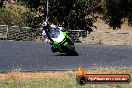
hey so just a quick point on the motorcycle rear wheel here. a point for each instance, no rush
(71, 50)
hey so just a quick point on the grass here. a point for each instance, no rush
(56, 79)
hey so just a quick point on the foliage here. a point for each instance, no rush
(116, 10)
(31, 3)
(27, 18)
(113, 13)
(15, 16)
(72, 14)
(80, 17)
(75, 14)
(5, 16)
(1, 3)
(59, 9)
(129, 9)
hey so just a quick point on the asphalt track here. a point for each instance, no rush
(33, 56)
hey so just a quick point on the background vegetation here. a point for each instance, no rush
(78, 14)
(71, 14)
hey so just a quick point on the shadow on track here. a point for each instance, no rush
(67, 54)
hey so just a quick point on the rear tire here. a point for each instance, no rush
(72, 51)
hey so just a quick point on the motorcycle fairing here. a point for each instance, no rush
(59, 38)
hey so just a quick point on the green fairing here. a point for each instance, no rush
(57, 43)
(65, 35)
(65, 43)
(68, 37)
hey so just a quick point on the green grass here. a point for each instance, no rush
(66, 82)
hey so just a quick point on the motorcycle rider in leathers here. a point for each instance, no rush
(46, 27)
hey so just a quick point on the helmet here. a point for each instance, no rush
(45, 25)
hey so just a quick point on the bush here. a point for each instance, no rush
(15, 16)
(130, 12)
(27, 18)
(5, 16)
(1, 3)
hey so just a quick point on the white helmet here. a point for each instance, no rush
(45, 24)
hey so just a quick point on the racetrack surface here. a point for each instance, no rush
(34, 56)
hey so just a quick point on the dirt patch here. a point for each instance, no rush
(34, 75)
(104, 34)
(102, 26)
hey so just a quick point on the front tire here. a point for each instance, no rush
(54, 49)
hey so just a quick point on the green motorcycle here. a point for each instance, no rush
(62, 42)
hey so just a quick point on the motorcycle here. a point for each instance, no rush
(62, 41)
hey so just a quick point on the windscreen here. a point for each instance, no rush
(54, 33)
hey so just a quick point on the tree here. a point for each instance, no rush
(81, 16)
(59, 9)
(1, 3)
(72, 14)
(31, 3)
(116, 10)
(130, 12)
(113, 13)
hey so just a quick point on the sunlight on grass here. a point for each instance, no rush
(54, 80)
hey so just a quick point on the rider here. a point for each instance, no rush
(46, 28)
